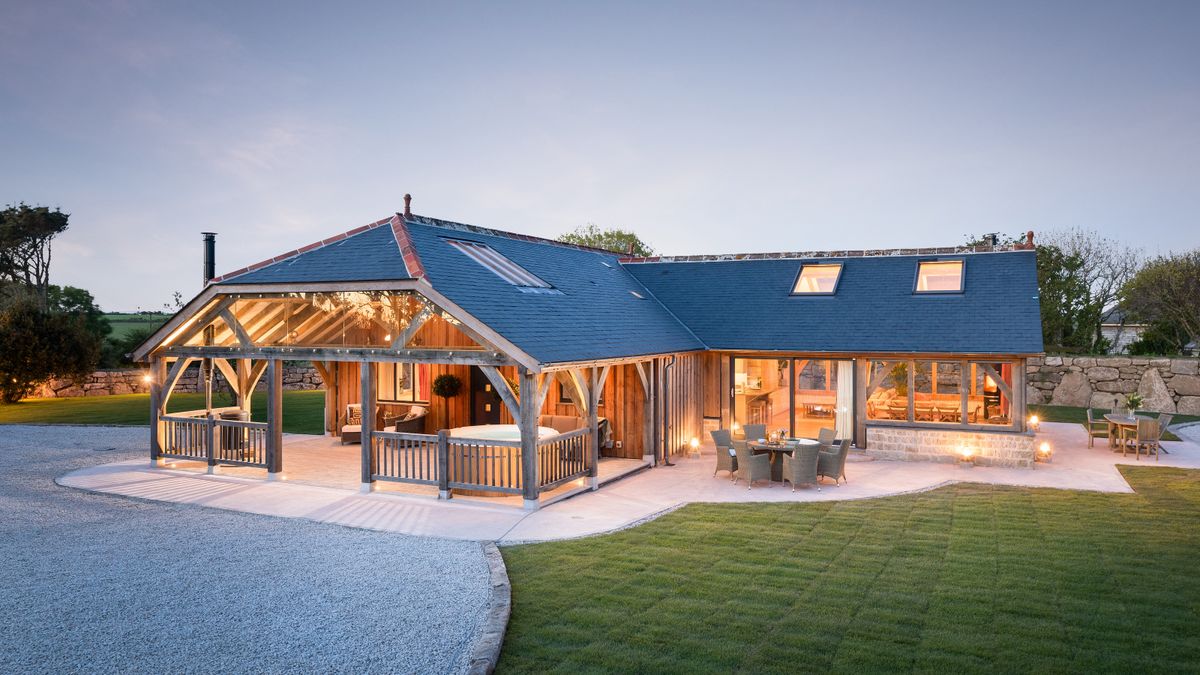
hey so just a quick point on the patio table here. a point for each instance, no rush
(1117, 423)
(777, 450)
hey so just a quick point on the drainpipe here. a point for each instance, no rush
(666, 404)
(210, 271)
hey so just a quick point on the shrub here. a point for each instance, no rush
(36, 345)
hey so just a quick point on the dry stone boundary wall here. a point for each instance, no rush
(1169, 385)
(132, 381)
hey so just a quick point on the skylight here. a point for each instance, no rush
(503, 267)
(818, 279)
(939, 276)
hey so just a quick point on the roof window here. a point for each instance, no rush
(503, 267)
(818, 279)
(939, 276)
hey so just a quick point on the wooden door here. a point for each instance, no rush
(485, 402)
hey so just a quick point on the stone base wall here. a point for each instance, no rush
(132, 381)
(1170, 385)
(942, 445)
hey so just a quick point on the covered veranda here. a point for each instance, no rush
(353, 332)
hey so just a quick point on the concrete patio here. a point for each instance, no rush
(627, 501)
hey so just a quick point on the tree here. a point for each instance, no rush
(25, 236)
(1104, 266)
(1068, 312)
(610, 239)
(1160, 338)
(1166, 291)
(72, 300)
(36, 345)
(446, 386)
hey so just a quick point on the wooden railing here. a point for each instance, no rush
(476, 464)
(406, 458)
(237, 442)
(563, 458)
(484, 465)
(194, 435)
(185, 436)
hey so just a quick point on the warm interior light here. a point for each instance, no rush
(387, 338)
(989, 384)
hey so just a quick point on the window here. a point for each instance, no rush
(404, 382)
(503, 267)
(819, 279)
(943, 392)
(939, 276)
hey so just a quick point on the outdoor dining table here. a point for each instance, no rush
(1117, 423)
(777, 450)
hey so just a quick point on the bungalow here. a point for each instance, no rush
(566, 354)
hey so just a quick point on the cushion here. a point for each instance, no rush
(352, 428)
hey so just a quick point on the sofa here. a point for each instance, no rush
(566, 423)
(411, 422)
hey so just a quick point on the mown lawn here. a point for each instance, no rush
(303, 411)
(1062, 413)
(964, 578)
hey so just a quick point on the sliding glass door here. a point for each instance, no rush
(797, 396)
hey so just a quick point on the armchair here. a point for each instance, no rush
(832, 463)
(801, 466)
(725, 461)
(751, 467)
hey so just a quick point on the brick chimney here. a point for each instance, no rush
(408, 206)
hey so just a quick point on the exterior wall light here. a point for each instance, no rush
(1044, 452)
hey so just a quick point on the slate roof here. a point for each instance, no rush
(724, 304)
(748, 305)
(594, 317)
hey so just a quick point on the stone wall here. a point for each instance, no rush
(132, 381)
(1008, 449)
(1167, 384)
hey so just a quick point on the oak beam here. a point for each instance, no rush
(507, 395)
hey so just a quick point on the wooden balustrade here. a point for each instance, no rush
(184, 437)
(194, 436)
(479, 464)
(563, 458)
(406, 458)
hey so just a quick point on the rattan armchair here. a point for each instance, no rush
(725, 461)
(755, 432)
(801, 466)
(751, 467)
(826, 436)
(832, 463)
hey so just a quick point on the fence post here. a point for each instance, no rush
(158, 375)
(210, 442)
(443, 460)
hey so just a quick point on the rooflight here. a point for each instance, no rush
(939, 276)
(637, 295)
(503, 267)
(818, 279)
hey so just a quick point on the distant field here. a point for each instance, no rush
(125, 322)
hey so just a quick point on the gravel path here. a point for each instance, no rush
(97, 583)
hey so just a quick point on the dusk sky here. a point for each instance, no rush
(706, 128)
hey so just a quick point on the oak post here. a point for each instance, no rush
(158, 376)
(527, 422)
(210, 442)
(274, 420)
(366, 372)
(443, 460)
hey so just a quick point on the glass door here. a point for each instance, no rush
(799, 396)
(762, 393)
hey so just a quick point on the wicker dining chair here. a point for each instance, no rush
(832, 464)
(725, 461)
(826, 436)
(800, 467)
(751, 467)
(755, 432)
(1093, 432)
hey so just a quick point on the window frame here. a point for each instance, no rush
(800, 274)
(1015, 424)
(507, 269)
(962, 277)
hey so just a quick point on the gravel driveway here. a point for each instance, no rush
(103, 584)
